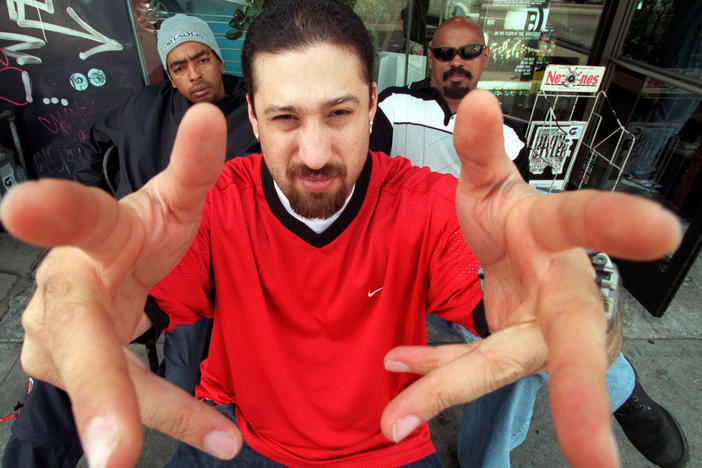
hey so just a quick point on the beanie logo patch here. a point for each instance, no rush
(194, 35)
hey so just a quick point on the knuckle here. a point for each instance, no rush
(27, 358)
(55, 287)
(443, 396)
(35, 363)
(501, 368)
(505, 370)
(443, 400)
(176, 422)
(31, 320)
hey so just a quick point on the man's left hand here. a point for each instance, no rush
(542, 304)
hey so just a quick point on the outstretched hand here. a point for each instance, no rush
(541, 301)
(117, 251)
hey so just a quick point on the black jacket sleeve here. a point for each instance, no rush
(110, 129)
(381, 136)
(159, 321)
(88, 168)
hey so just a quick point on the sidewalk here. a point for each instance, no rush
(666, 352)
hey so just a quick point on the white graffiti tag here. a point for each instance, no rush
(17, 10)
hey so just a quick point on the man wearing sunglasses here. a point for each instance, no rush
(417, 122)
(455, 71)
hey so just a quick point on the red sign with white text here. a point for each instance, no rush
(572, 78)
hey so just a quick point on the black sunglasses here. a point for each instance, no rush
(467, 52)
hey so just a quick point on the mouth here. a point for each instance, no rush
(457, 75)
(316, 184)
(199, 90)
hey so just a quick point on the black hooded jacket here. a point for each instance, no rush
(143, 130)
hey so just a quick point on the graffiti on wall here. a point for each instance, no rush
(17, 85)
(17, 11)
(62, 65)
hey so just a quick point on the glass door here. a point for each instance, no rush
(656, 90)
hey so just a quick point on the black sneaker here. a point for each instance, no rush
(652, 430)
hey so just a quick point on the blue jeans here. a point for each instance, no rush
(184, 348)
(186, 456)
(498, 422)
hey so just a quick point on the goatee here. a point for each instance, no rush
(316, 205)
(455, 90)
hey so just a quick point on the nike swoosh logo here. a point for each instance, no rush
(373, 293)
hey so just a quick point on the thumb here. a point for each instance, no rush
(479, 141)
(196, 159)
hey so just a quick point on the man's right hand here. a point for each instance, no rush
(91, 291)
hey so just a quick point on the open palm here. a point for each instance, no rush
(116, 252)
(542, 304)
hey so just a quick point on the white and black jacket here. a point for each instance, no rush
(416, 122)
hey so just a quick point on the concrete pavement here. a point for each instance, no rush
(666, 353)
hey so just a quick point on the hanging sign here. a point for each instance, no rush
(572, 79)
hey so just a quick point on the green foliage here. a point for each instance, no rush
(242, 18)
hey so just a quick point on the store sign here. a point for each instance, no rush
(526, 19)
(572, 79)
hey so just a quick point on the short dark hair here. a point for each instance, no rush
(296, 24)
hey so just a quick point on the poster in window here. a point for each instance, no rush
(516, 31)
(553, 147)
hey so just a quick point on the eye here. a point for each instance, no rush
(285, 121)
(177, 70)
(339, 113)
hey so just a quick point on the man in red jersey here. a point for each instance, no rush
(318, 261)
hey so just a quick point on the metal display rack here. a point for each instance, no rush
(564, 150)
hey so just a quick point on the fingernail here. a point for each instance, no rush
(221, 444)
(396, 366)
(404, 426)
(101, 438)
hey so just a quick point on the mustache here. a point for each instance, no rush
(458, 71)
(297, 170)
(199, 85)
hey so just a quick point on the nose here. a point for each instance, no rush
(456, 61)
(194, 72)
(314, 145)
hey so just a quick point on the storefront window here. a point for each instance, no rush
(524, 36)
(667, 34)
(665, 163)
(666, 166)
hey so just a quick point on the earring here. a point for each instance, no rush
(256, 135)
(370, 127)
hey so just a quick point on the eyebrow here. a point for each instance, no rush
(274, 108)
(194, 57)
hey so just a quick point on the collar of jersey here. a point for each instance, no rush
(424, 90)
(299, 228)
